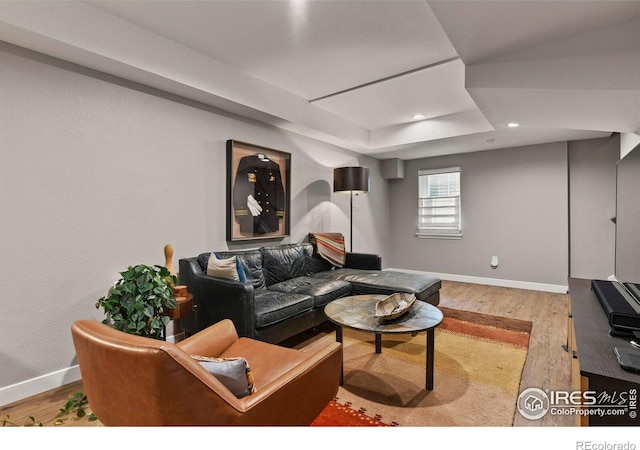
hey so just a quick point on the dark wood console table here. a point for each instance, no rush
(594, 365)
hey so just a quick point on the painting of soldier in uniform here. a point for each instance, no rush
(258, 192)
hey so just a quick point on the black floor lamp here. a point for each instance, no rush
(351, 179)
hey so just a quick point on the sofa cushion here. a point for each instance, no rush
(316, 263)
(272, 307)
(322, 291)
(384, 282)
(242, 277)
(251, 261)
(284, 262)
(223, 268)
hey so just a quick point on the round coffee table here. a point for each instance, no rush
(357, 312)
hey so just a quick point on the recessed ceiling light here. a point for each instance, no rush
(513, 124)
(419, 117)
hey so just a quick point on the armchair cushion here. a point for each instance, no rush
(270, 362)
(233, 372)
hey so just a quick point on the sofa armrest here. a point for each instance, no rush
(218, 298)
(365, 261)
(315, 379)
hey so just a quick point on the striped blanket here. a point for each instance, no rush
(329, 246)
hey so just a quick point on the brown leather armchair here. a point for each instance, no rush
(132, 380)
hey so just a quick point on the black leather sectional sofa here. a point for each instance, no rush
(287, 287)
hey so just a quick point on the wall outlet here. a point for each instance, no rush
(494, 262)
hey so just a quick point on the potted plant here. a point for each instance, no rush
(140, 301)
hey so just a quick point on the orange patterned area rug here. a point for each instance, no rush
(478, 366)
(337, 415)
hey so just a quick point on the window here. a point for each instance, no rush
(439, 203)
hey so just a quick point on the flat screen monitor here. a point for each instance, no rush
(627, 255)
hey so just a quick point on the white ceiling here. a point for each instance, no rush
(353, 73)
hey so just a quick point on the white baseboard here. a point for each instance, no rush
(556, 288)
(43, 383)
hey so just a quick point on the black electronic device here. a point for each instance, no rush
(625, 334)
(628, 359)
(634, 291)
(618, 307)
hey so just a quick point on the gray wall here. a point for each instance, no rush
(627, 267)
(97, 174)
(514, 206)
(592, 187)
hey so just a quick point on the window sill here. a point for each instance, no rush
(439, 236)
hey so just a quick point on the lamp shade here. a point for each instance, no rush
(351, 179)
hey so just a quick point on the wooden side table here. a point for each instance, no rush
(184, 307)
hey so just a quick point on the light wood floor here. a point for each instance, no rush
(547, 366)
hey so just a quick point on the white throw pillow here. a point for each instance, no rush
(223, 268)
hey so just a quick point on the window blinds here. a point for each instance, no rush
(439, 202)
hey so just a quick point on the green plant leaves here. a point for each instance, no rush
(140, 300)
(75, 408)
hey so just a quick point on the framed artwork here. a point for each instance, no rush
(258, 192)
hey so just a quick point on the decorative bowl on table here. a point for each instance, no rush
(394, 306)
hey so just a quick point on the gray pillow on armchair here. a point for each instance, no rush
(234, 373)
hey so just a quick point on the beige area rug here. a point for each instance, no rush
(478, 366)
